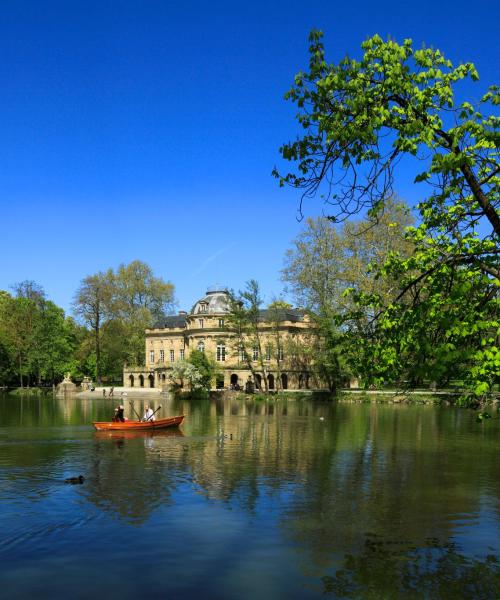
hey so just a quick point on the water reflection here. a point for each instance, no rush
(389, 500)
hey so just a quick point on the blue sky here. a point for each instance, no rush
(148, 130)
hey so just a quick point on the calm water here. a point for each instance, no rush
(306, 500)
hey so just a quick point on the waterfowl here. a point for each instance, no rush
(73, 480)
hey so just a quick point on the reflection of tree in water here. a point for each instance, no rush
(269, 450)
(399, 474)
(383, 570)
(133, 477)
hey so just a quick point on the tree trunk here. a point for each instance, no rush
(21, 371)
(97, 355)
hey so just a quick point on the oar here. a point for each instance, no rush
(151, 416)
(132, 406)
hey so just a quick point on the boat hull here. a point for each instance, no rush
(138, 425)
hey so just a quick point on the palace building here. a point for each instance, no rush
(206, 328)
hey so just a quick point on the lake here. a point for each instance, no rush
(249, 499)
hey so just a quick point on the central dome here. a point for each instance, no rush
(215, 301)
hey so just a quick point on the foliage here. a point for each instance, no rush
(184, 372)
(118, 307)
(243, 318)
(326, 260)
(37, 340)
(360, 118)
(206, 367)
(92, 304)
(140, 299)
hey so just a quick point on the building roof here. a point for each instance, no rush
(282, 314)
(172, 322)
(217, 302)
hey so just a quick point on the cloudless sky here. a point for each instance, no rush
(148, 129)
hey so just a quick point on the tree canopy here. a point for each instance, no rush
(360, 118)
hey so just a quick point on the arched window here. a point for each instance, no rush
(141, 380)
(284, 381)
(131, 380)
(258, 381)
(151, 380)
(201, 346)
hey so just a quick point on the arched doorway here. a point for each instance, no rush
(131, 380)
(234, 382)
(151, 378)
(270, 381)
(163, 378)
(284, 381)
(258, 381)
(141, 380)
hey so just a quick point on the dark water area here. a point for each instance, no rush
(249, 499)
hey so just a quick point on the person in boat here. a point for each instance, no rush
(148, 414)
(119, 416)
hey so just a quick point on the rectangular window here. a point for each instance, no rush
(162, 356)
(281, 354)
(269, 350)
(255, 353)
(151, 356)
(221, 352)
(181, 352)
(172, 356)
(221, 323)
(200, 321)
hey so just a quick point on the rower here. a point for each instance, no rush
(149, 415)
(119, 413)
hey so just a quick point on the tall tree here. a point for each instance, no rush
(360, 118)
(118, 307)
(243, 319)
(93, 303)
(140, 299)
(325, 259)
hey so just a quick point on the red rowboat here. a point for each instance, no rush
(139, 425)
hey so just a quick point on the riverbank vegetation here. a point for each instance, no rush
(112, 309)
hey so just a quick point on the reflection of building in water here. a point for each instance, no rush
(274, 356)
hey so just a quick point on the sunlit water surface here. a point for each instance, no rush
(249, 499)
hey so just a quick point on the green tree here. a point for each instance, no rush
(326, 260)
(360, 118)
(118, 307)
(183, 371)
(243, 319)
(140, 299)
(37, 338)
(205, 366)
(55, 343)
(93, 304)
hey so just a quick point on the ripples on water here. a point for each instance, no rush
(281, 499)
